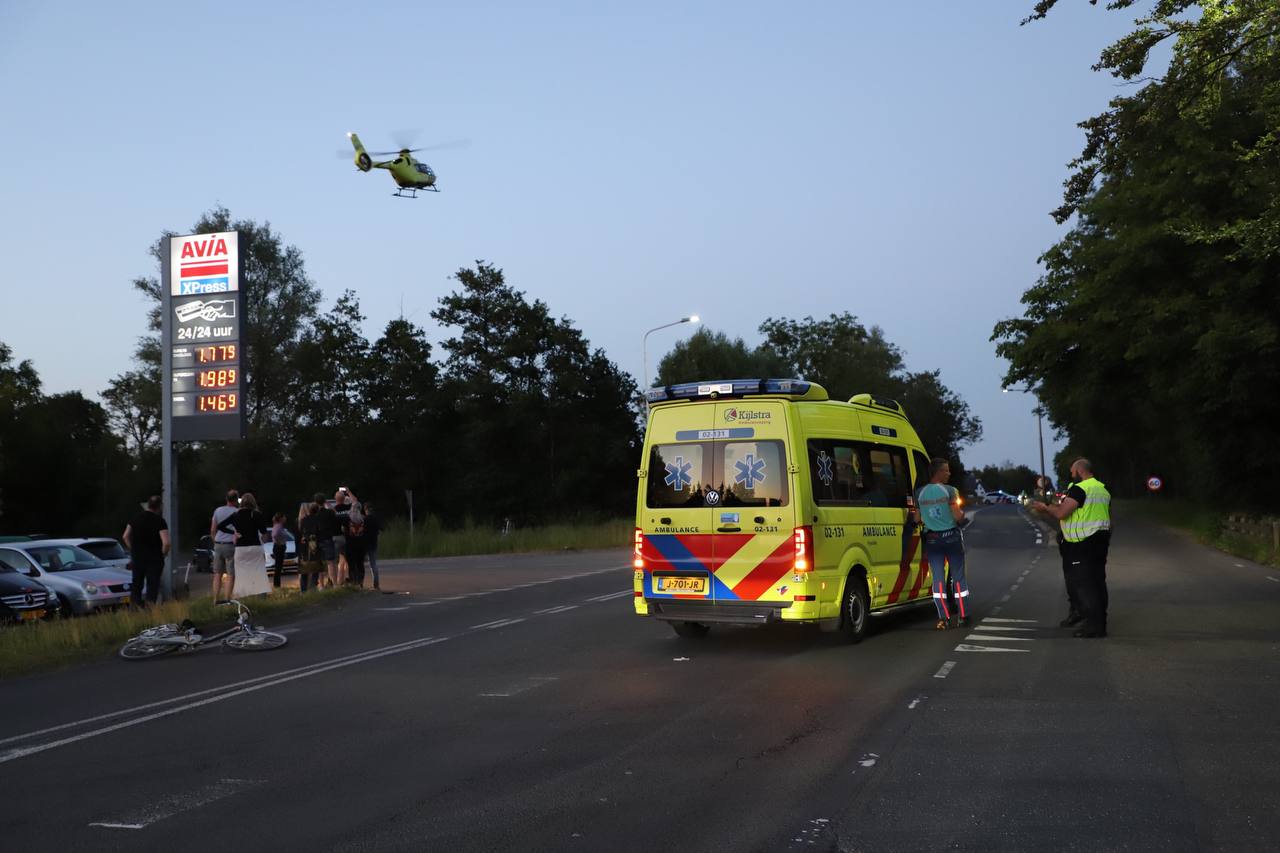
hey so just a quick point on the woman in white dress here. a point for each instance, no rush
(251, 530)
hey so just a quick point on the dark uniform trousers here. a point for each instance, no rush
(1073, 597)
(1084, 564)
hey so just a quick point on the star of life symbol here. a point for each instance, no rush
(678, 475)
(750, 471)
(825, 473)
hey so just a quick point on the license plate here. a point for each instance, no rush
(680, 586)
(31, 615)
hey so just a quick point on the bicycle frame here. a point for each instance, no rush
(176, 635)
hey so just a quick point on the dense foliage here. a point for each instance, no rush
(843, 356)
(1153, 336)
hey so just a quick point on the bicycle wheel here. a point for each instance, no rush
(141, 648)
(256, 640)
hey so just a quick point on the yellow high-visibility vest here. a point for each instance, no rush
(1091, 516)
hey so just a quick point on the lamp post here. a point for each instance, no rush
(644, 345)
(1039, 410)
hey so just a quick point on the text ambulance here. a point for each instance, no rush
(761, 500)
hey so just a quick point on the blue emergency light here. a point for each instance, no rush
(730, 388)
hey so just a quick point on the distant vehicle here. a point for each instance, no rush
(81, 581)
(106, 549)
(21, 598)
(998, 497)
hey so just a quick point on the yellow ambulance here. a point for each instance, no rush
(761, 500)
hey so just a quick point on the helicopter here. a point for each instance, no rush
(409, 174)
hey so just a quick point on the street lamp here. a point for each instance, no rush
(644, 346)
(1039, 424)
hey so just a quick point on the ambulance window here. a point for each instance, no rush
(836, 469)
(890, 475)
(677, 474)
(922, 468)
(752, 473)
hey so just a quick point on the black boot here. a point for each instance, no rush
(1073, 618)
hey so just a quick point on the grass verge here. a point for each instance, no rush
(430, 539)
(54, 644)
(1207, 525)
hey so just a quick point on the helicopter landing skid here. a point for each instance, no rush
(412, 192)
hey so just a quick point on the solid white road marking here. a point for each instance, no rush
(182, 803)
(1020, 621)
(266, 681)
(986, 627)
(945, 670)
(423, 603)
(1000, 639)
(391, 609)
(965, 647)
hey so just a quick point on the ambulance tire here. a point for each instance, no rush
(855, 609)
(690, 630)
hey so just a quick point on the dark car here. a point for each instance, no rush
(22, 599)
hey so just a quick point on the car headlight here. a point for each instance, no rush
(90, 588)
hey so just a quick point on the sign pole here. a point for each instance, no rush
(168, 457)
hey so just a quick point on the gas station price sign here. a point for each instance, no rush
(203, 334)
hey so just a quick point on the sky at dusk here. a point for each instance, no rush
(629, 164)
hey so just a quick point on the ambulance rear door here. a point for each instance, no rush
(674, 515)
(754, 510)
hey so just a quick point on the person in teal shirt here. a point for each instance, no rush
(940, 513)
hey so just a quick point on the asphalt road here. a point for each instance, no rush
(516, 703)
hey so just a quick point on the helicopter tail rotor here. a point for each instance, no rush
(363, 162)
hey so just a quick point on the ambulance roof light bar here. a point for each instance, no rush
(796, 388)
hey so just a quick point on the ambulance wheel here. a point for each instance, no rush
(855, 610)
(690, 630)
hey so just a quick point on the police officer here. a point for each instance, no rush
(1085, 516)
(1045, 494)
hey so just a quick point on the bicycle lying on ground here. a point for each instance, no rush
(162, 639)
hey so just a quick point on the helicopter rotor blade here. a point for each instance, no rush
(440, 146)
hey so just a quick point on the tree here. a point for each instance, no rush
(713, 355)
(1157, 317)
(537, 420)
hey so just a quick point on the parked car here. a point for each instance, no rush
(81, 582)
(106, 549)
(290, 554)
(21, 598)
(202, 555)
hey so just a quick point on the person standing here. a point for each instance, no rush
(279, 547)
(326, 529)
(355, 546)
(342, 503)
(372, 527)
(1046, 495)
(940, 513)
(310, 561)
(147, 538)
(224, 545)
(1085, 516)
(249, 527)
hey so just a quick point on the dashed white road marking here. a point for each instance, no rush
(916, 701)
(560, 608)
(999, 639)
(424, 603)
(522, 686)
(1003, 600)
(181, 803)
(965, 647)
(945, 670)
(986, 627)
(497, 623)
(996, 609)
(391, 609)
(610, 595)
(1275, 579)
(1020, 621)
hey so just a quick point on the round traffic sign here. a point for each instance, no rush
(1154, 483)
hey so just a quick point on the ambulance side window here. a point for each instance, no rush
(922, 468)
(836, 469)
(678, 474)
(891, 476)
